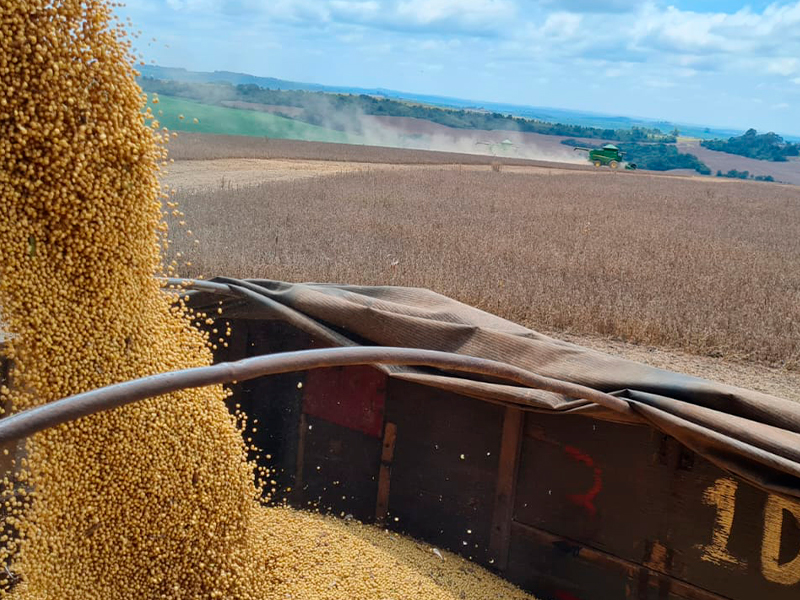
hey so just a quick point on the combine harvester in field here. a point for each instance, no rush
(607, 156)
(571, 473)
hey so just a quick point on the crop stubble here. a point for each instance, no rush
(198, 146)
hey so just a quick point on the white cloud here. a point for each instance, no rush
(665, 39)
(686, 72)
(743, 32)
(194, 5)
(780, 106)
(294, 11)
(659, 83)
(438, 45)
(561, 25)
(469, 17)
(693, 62)
(376, 49)
(468, 14)
(350, 38)
(594, 6)
(638, 30)
(796, 80)
(783, 66)
(685, 32)
(356, 10)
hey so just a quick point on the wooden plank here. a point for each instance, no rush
(588, 480)
(299, 482)
(353, 397)
(554, 570)
(568, 557)
(631, 492)
(444, 472)
(385, 474)
(340, 469)
(273, 401)
(511, 443)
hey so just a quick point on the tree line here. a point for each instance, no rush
(766, 146)
(318, 107)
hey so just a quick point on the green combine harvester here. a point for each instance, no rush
(607, 156)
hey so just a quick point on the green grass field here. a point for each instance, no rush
(232, 121)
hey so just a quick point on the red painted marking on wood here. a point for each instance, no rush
(560, 595)
(586, 500)
(352, 397)
(579, 456)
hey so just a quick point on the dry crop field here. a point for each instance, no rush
(194, 146)
(704, 267)
(787, 172)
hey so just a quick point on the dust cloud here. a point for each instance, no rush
(335, 112)
(419, 134)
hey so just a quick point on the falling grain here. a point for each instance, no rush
(156, 499)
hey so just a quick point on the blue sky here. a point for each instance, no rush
(717, 62)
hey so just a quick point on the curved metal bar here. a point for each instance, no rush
(55, 413)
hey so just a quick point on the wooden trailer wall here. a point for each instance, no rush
(568, 507)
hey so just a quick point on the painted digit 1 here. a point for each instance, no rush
(721, 495)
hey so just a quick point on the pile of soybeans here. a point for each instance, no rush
(156, 499)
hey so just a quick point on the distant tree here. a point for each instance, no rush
(734, 174)
(767, 146)
(662, 157)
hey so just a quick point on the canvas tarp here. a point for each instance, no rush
(750, 434)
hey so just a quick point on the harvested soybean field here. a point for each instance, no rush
(698, 275)
(195, 146)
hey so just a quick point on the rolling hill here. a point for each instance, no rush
(547, 114)
(233, 121)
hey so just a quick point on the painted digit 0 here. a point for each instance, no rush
(787, 573)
